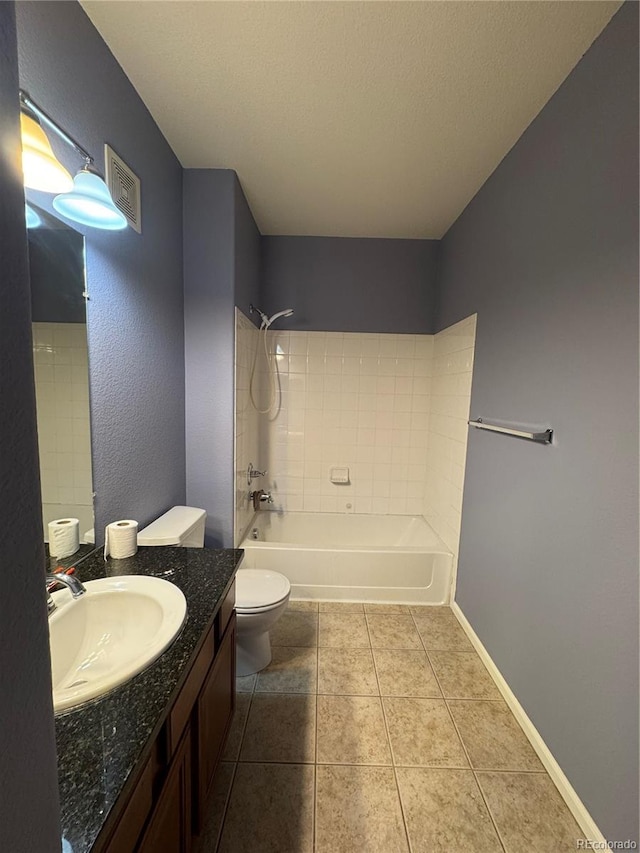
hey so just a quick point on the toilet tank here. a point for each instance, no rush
(181, 525)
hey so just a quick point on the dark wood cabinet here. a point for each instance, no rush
(165, 807)
(169, 828)
(214, 713)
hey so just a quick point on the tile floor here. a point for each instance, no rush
(377, 729)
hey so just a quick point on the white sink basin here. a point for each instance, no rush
(109, 634)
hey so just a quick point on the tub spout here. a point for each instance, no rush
(259, 497)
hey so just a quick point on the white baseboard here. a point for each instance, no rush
(567, 792)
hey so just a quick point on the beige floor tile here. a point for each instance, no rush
(358, 811)
(492, 736)
(246, 683)
(529, 812)
(340, 632)
(397, 609)
(462, 675)
(422, 733)
(295, 628)
(351, 730)
(341, 607)
(393, 632)
(208, 839)
(349, 672)
(405, 672)
(445, 812)
(308, 606)
(423, 609)
(234, 739)
(292, 670)
(281, 727)
(270, 810)
(440, 630)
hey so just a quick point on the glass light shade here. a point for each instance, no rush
(33, 220)
(90, 203)
(40, 167)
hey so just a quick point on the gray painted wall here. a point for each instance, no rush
(29, 812)
(135, 314)
(547, 254)
(221, 270)
(247, 255)
(351, 284)
(209, 346)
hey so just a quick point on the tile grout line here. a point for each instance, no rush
(386, 727)
(225, 809)
(252, 693)
(401, 765)
(314, 834)
(477, 781)
(448, 702)
(464, 747)
(235, 764)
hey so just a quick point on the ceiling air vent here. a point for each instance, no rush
(124, 187)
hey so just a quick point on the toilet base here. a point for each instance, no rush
(253, 653)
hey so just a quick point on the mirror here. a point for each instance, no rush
(61, 364)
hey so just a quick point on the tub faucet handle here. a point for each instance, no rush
(258, 497)
(252, 473)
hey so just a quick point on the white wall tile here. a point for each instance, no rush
(349, 399)
(452, 367)
(393, 408)
(247, 439)
(62, 400)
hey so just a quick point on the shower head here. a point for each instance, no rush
(286, 313)
(267, 321)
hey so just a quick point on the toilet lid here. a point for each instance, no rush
(260, 588)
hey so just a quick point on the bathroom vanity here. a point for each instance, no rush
(136, 767)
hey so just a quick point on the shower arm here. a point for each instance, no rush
(263, 316)
(267, 321)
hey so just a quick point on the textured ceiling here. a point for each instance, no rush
(376, 119)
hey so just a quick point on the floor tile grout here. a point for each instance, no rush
(466, 752)
(395, 775)
(316, 692)
(225, 809)
(315, 766)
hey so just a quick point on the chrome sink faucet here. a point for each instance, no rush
(76, 587)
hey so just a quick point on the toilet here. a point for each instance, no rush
(261, 599)
(261, 596)
(181, 525)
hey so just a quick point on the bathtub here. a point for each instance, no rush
(341, 557)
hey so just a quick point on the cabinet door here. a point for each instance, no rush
(169, 829)
(131, 818)
(216, 704)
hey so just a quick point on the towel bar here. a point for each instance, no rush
(541, 437)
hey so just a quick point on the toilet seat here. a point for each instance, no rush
(258, 590)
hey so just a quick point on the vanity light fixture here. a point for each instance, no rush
(90, 202)
(41, 168)
(84, 199)
(32, 218)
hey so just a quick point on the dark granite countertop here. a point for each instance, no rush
(101, 742)
(82, 553)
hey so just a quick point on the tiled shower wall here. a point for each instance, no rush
(448, 430)
(64, 436)
(351, 400)
(391, 408)
(246, 423)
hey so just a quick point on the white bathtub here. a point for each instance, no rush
(340, 557)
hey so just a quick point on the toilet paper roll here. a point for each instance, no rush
(121, 539)
(64, 537)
